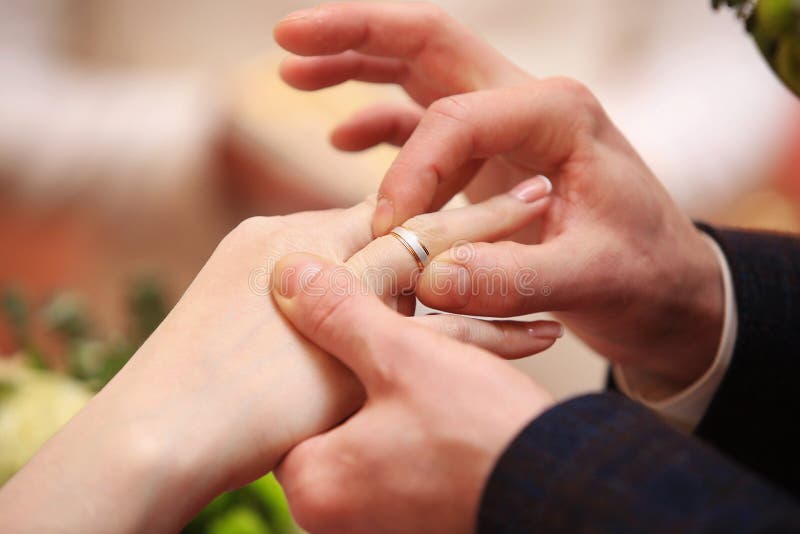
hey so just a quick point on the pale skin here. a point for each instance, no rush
(226, 386)
(626, 269)
(415, 458)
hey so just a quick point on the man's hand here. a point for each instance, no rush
(419, 47)
(614, 256)
(438, 414)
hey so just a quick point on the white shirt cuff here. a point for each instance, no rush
(686, 408)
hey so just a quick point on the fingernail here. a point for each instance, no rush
(293, 279)
(383, 218)
(546, 330)
(532, 189)
(450, 280)
(297, 15)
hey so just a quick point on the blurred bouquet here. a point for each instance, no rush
(39, 393)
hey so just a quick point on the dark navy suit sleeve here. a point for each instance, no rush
(755, 415)
(601, 463)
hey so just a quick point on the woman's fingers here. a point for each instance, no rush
(536, 126)
(507, 339)
(388, 268)
(382, 123)
(422, 36)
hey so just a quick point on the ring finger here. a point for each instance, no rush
(389, 268)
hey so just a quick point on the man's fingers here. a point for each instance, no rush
(507, 339)
(535, 126)
(380, 29)
(456, 181)
(318, 72)
(387, 267)
(329, 305)
(503, 279)
(420, 35)
(382, 123)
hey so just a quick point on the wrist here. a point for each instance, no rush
(695, 313)
(119, 480)
(170, 477)
(147, 462)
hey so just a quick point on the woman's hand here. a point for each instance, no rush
(212, 400)
(438, 414)
(226, 386)
(614, 256)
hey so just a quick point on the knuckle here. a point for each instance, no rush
(428, 227)
(498, 210)
(579, 95)
(255, 228)
(506, 332)
(250, 234)
(433, 14)
(515, 252)
(451, 107)
(571, 87)
(480, 256)
(459, 328)
(516, 299)
(330, 306)
(494, 269)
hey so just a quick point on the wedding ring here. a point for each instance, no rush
(414, 246)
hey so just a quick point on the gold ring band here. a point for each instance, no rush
(413, 245)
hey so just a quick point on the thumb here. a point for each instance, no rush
(332, 308)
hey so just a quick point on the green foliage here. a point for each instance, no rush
(7, 389)
(65, 315)
(147, 307)
(775, 26)
(16, 312)
(739, 5)
(258, 508)
(17, 315)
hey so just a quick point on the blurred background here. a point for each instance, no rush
(135, 133)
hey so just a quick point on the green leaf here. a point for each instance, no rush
(271, 496)
(65, 314)
(34, 358)
(16, 312)
(239, 520)
(147, 306)
(7, 389)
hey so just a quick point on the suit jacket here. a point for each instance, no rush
(603, 463)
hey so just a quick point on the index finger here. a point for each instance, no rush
(535, 126)
(389, 269)
(422, 35)
(326, 303)
(381, 29)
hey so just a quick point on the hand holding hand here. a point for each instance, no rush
(437, 417)
(226, 386)
(614, 256)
